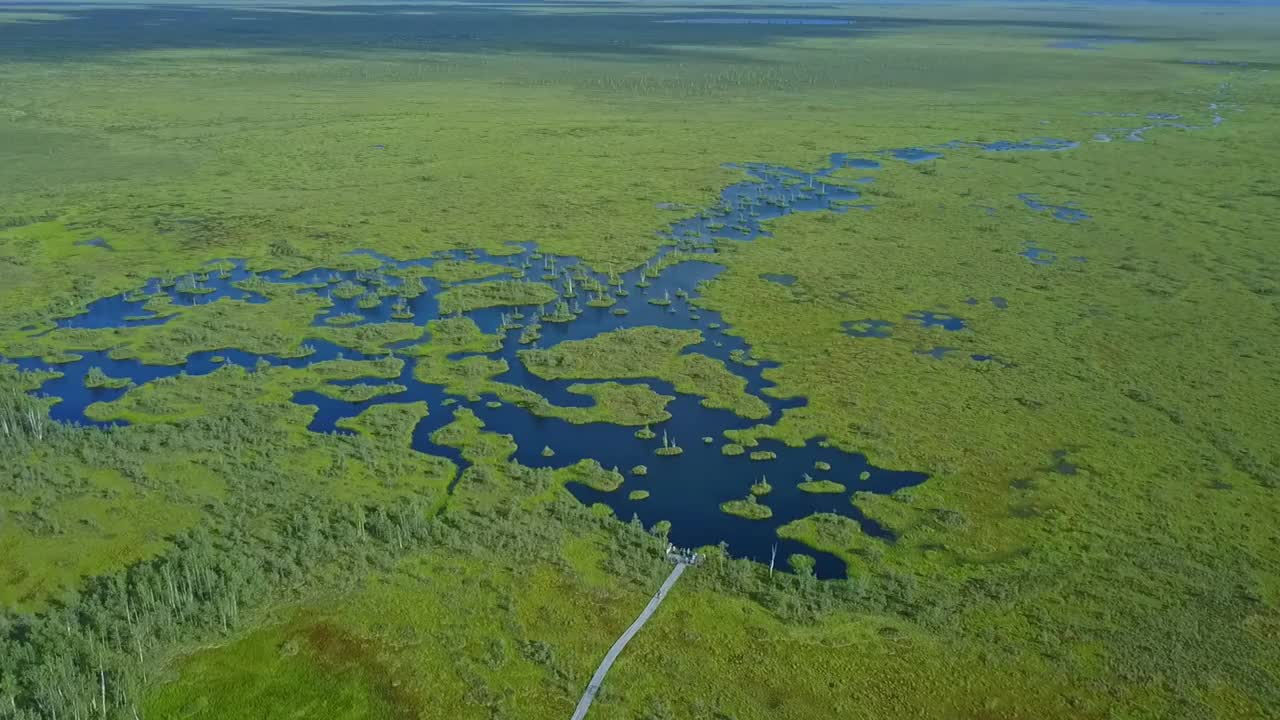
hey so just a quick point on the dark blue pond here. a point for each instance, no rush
(839, 160)
(1039, 255)
(98, 242)
(1067, 212)
(950, 323)
(914, 155)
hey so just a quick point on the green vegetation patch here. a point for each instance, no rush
(822, 487)
(589, 472)
(389, 422)
(466, 433)
(181, 398)
(360, 392)
(15, 378)
(761, 487)
(370, 338)
(456, 271)
(192, 443)
(472, 376)
(463, 298)
(648, 352)
(277, 327)
(450, 336)
(836, 534)
(96, 378)
(348, 290)
(669, 447)
(312, 666)
(750, 509)
(618, 403)
(202, 148)
(344, 319)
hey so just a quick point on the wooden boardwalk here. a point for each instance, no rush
(585, 703)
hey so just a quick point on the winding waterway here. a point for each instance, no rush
(686, 490)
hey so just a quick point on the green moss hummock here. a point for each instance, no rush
(749, 509)
(821, 487)
(96, 378)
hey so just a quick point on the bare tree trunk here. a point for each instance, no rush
(137, 641)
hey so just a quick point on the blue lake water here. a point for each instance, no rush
(947, 322)
(1039, 255)
(687, 489)
(98, 242)
(915, 155)
(1067, 212)
(843, 160)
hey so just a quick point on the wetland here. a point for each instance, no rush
(365, 360)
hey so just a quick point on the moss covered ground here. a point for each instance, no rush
(1096, 539)
(648, 352)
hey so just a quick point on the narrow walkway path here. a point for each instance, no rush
(585, 703)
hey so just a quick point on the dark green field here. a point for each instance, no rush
(1097, 536)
